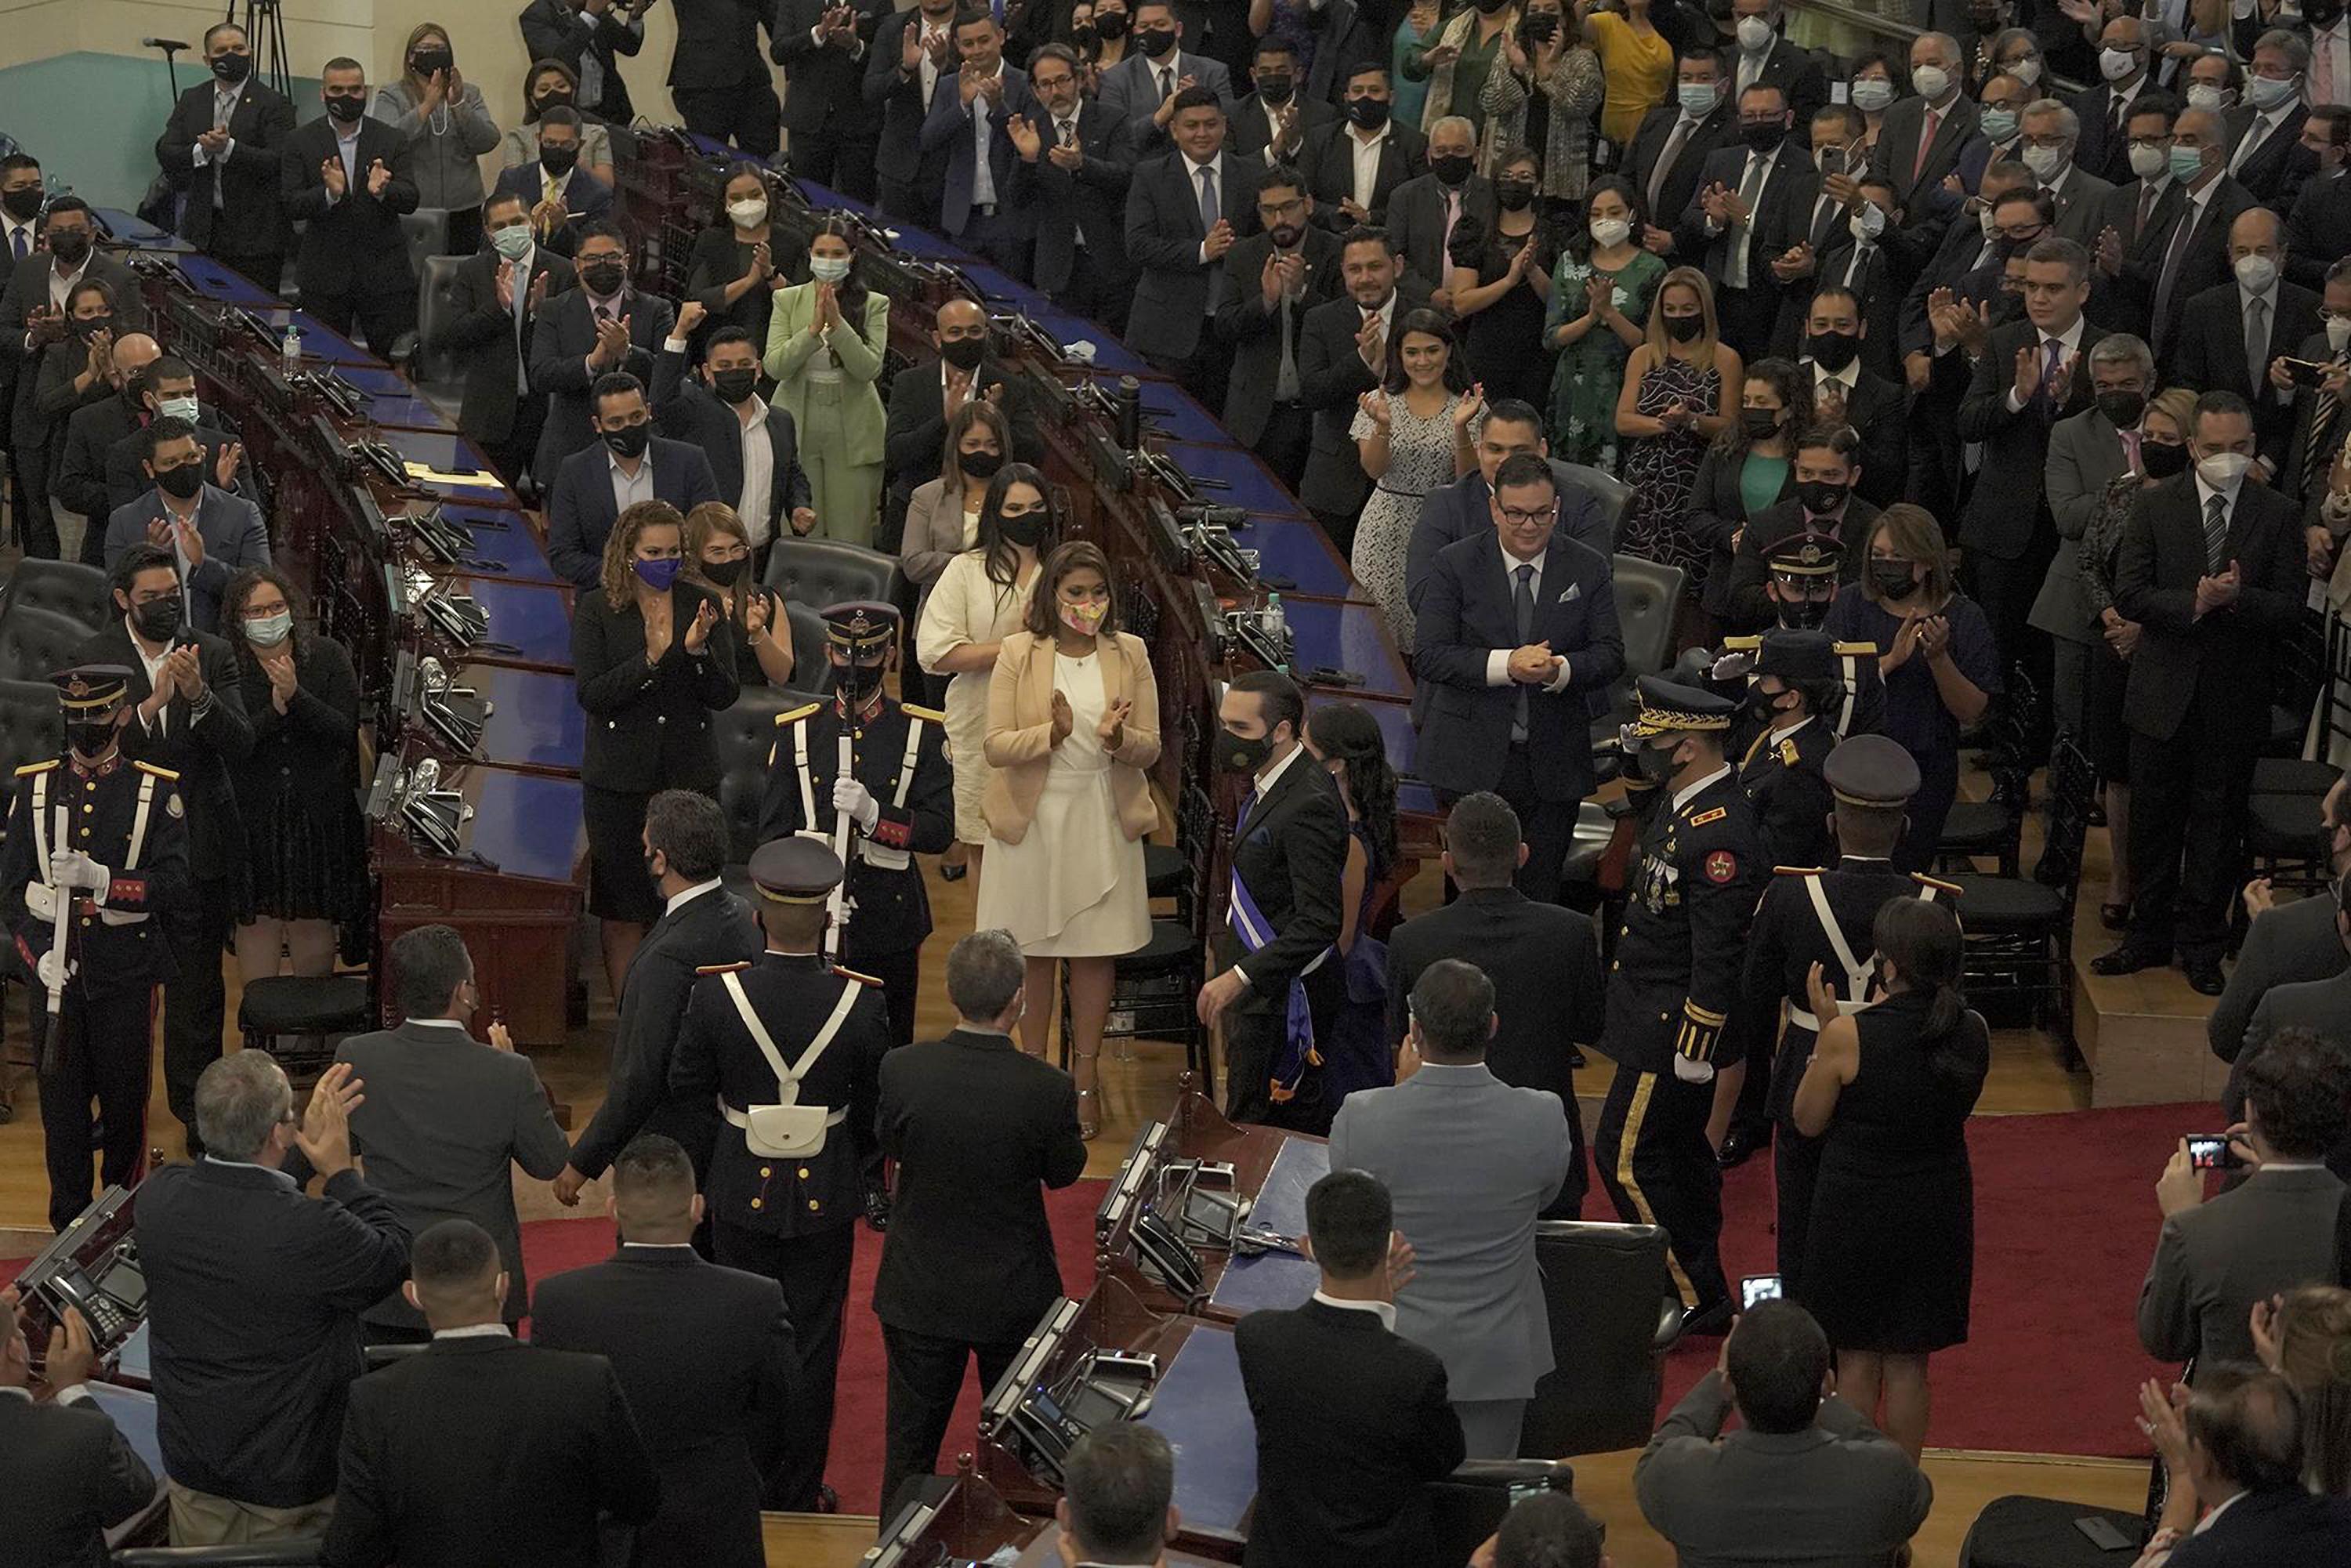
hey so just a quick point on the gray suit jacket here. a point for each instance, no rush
(1416, 222)
(1471, 1163)
(1839, 1495)
(444, 1117)
(2273, 1233)
(2289, 945)
(1130, 92)
(2319, 1005)
(2085, 456)
(233, 536)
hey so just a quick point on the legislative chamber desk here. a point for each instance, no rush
(968, 1525)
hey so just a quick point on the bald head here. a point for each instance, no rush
(134, 352)
(960, 318)
(2256, 231)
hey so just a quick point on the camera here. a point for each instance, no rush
(1757, 1288)
(2211, 1152)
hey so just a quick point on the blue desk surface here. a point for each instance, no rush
(524, 825)
(224, 284)
(134, 1413)
(1348, 637)
(1199, 1407)
(528, 622)
(1234, 476)
(536, 719)
(452, 455)
(1175, 416)
(319, 342)
(1294, 557)
(132, 1360)
(504, 544)
(392, 401)
(130, 229)
(1006, 292)
(1278, 1278)
(913, 241)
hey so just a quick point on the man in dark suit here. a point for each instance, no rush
(912, 50)
(1672, 146)
(586, 333)
(2246, 1459)
(188, 718)
(588, 38)
(1344, 355)
(2214, 570)
(1919, 141)
(2318, 229)
(1184, 212)
(1544, 961)
(2287, 945)
(1271, 124)
(2107, 109)
(222, 149)
(1343, 195)
(1763, 55)
(1117, 1493)
(984, 108)
(104, 465)
(1752, 206)
(2233, 334)
(721, 413)
(1870, 257)
(1845, 393)
(789, 1182)
(2033, 373)
(1084, 165)
(1141, 89)
(1827, 504)
(2265, 152)
(2182, 259)
(1516, 627)
(702, 924)
(250, 1385)
(1271, 281)
(586, 499)
(1423, 209)
(500, 294)
(705, 1356)
(832, 130)
(212, 533)
(70, 1473)
(2139, 210)
(481, 1450)
(1462, 510)
(718, 74)
(561, 198)
(1288, 849)
(2316, 1004)
(1352, 1421)
(346, 177)
(925, 395)
(447, 1115)
(2318, 422)
(978, 1130)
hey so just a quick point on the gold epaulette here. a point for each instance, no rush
(1797, 870)
(1740, 644)
(1923, 880)
(1789, 756)
(166, 774)
(31, 768)
(721, 968)
(1869, 648)
(797, 715)
(1715, 814)
(911, 711)
(853, 975)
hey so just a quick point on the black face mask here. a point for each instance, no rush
(2122, 408)
(1685, 329)
(1370, 113)
(1452, 168)
(1276, 90)
(1026, 530)
(1236, 754)
(1804, 614)
(346, 107)
(557, 161)
(1653, 764)
(554, 100)
(979, 465)
(1155, 41)
(90, 737)
(1762, 138)
(1763, 708)
(725, 572)
(1487, 7)
(1759, 424)
(1891, 579)
(157, 618)
(1513, 195)
(604, 276)
(1541, 26)
(1082, 36)
(1820, 497)
(858, 682)
(735, 386)
(1833, 352)
(429, 63)
(1111, 25)
(232, 69)
(963, 353)
(182, 482)
(89, 326)
(2162, 460)
(71, 247)
(24, 206)
(629, 441)
(2008, 308)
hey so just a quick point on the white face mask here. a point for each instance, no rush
(2203, 95)
(748, 214)
(1610, 232)
(1932, 82)
(2256, 273)
(2222, 469)
(2044, 161)
(2268, 92)
(827, 268)
(1868, 222)
(2026, 70)
(1870, 95)
(2148, 162)
(2338, 332)
(1754, 35)
(2115, 64)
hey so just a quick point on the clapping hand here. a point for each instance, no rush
(1220, 240)
(1906, 642)
(611, 342)
(659, 630)
(1935, 636)
(331, 171)
(1112, 730)
(1403, 1263)
(214, 141)
(1371, 345)
(325, 1138)
(2161, 1417)
(537, 295)
(2262, 1326)
(187, 672)
(2027, 373)
(192, 547)
(1026, 139)
(1064, 721)
(2217, 592)
(697, 631)
(1534, 664)
(755, 614)
(280, 668)
(1794, 262)
(2110, 251)
(101, 356)
(500, 1039)
(378, 177)
(506, 285)
(1375, 405)
(1467, 408)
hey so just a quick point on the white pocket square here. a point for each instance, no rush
(1574, 591)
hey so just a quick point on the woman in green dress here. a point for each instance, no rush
(1594, 328)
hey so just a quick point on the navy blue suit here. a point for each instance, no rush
(582, 511)
(584, 197)
(1005, 234)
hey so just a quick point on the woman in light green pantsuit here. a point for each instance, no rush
(825, 341)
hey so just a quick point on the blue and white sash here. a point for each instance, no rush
(1297, 1054)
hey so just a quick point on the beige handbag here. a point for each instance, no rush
(787, 1129)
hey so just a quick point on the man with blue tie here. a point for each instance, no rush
(1517, 626)
(1184, 212)
(977, 123)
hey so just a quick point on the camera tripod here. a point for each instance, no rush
(265, 30)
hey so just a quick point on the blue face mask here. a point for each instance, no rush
(1998, 124)
(1697, 98)
(2187, 162)
(658, 575)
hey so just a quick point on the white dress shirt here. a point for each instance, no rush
(9, 229)
(1683, 797)
(475, 1331)
(758, 498)
(1192, 184)
(1848, 378)
(926, 67)
(1384, 1310)
(1498, 660)
(628, 491)
(684, 896)
(1367, 162)
(347, 148)
(983, 175)
(2069, 349)
(154, 664)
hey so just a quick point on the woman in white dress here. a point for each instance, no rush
(1072, 725)
(979, 600)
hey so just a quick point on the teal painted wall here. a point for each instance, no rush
(92, 118)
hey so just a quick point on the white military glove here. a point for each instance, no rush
(850, 796)
(1690, 1072)
(71, 868)
(51, 970)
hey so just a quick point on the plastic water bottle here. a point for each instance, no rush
(290, 351)
(1275, 625)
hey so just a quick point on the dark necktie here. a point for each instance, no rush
(2215, 533)
(22, 249)
(1673, 149)
(2257, 344)
(1522, 596)
(2181, 227)
(2318, 453)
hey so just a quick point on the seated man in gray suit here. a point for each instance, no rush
(2272, 1232)
(2287, 944)
(211, 533)
(1471, 1163)
(1806, 1473)
(446, 1115)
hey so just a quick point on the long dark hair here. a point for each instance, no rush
(1346, 732)
(1921, 940)
(1579, 239)
(739, 169)
(849, 291)
(998, 557)
(1795, 390)
(1430, 324)
(232, 614)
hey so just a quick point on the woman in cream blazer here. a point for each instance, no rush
(825, 342)
(1072, 725)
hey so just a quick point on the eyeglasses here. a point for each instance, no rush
(1528, 519)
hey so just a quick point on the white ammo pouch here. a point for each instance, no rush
(787, 1129)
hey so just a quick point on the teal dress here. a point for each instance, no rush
(1760, 479)
(1591, 371)
(1409, 96)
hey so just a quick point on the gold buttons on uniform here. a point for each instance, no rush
(755, 1203)
(764, 1171)
(812, 1202)
(804, 1173)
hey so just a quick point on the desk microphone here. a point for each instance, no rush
(166, 44)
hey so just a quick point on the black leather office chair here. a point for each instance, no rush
(745, 734)
(305, 1552)
(66, 587)
(1615, 495)
(1613, 1310)
(436, 369)
(1468, 1506)
(32, 727)
(810, 671)
(35, 643)
(817, 572)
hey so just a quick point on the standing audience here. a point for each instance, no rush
(825, 343)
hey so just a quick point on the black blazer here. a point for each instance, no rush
(1544, 961)
(2232, 650)
(1466, 612)
(1332, 375)
(254, 1296)
(1290, 852)
(718, 46)
(1880, 278)
(29, 290)
(914, 433)
(1718, 509)
(47, 402)
(581, 511)
(978, 1130)
(2287, 480)
(99, 470)
(706, 1360)
(68, 1475)
(1748, 606)
(1415, 222)
(200, 750)
(899, 156)
(249, 220)
(2318, 230)
(1782, 213)
(1243, 320)
(1250, 129)
(315, 741)
(560, 342)
(1954, 258)
(2015, 443)
(714, 927)
(586, 199)
(1877, 409)
(2284, 1529)
(718, 261)
(1328, 165)
(948, 133)
(1896, 153)
(489, 343)
(1460, 510)
(1353, 1425)
(554, 31)
(1089, 199)
(1679, 187)
(1792, 69)
(355, 246)
(2103, 150)
(1164, 233)
(484, 1453)
(691, 412)
(2202, 264)
(828, 83)
(2275, 172)
(649, 724)
(2209, 354)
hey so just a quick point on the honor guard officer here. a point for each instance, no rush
(1674, 983)
(1811, 917)
(1803, 585)
(1793, 684)
(790, 1046)
(95, 845)
(870, 776)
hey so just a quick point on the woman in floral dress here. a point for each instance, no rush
(1596, 329)
(1416, 432)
